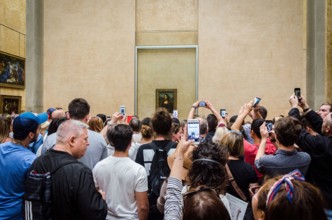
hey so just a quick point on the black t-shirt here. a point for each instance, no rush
(243, 174)
(74, 195)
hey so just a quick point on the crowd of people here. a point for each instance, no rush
(113, 168)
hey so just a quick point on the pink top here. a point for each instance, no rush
(250, 151)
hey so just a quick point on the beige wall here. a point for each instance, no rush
(166, 69)
(248, 49)
(89, 52)
(12, 36)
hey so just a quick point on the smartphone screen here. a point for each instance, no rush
(175, 113)
(256, 101)
(193, 130)
(269, 125)
(123, 109)
(297, 92)
(223, 112)
(202, 104)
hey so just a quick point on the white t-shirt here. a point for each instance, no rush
(120, 178)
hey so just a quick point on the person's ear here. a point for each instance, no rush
(71, 140)
(31, 135)
(261, 215)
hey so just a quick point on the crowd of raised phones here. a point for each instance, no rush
(239, 166)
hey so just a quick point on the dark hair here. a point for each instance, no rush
(120, 136)
(204, 204)
(206, 172)
(55, 123)
(135, 124)
(256, 123)
(307, 202)
(78, 108)
(103, 117)
(23, 126)
(175, 128)
(287, 130)
(176, 120)
(212, 122)
(147, 121)
(262, 111)
(162, 122)
(203, 126)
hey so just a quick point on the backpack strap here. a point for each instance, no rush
(61, 165)
(235, 186)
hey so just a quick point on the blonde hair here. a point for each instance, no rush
(234, 143)
(220, 133)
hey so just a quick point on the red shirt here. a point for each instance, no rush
(250, 151)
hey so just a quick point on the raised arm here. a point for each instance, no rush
(215, 112)
(244, 111)
(262, 145)
(192, 110)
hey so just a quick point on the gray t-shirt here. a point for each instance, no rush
(283, 162)
(95, 152)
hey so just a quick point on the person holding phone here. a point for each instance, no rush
(213, 120)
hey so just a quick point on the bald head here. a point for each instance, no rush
(60, 113)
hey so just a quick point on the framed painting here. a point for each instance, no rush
(166, 98)
(12, 71)
(10, 104)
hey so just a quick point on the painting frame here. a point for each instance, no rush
(9, 103)
(12, 71)
(166, 94)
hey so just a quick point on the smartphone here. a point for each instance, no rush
(256, 101)
(175, 113)
(193, 130)
(297, 92)
(269, 125)
(123, 109)
(202, 104)
(223, 113)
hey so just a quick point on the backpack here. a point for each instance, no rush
(158, 173)
(37, 200)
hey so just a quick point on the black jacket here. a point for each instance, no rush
(320, 149)
(74, 195)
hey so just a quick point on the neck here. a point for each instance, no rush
(257, 140)
(120, 153)
(289, 148)
(24, 143)
(233, 158)
(160, 138)
(63, 148)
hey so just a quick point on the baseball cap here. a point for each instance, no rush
(27, 122)
(50, 111)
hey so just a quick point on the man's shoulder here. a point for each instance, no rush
(96, 137)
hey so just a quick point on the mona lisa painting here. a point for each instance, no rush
(166, 98)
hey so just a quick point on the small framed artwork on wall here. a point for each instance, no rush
(166, 98)
(10, 104)
(12, 71)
